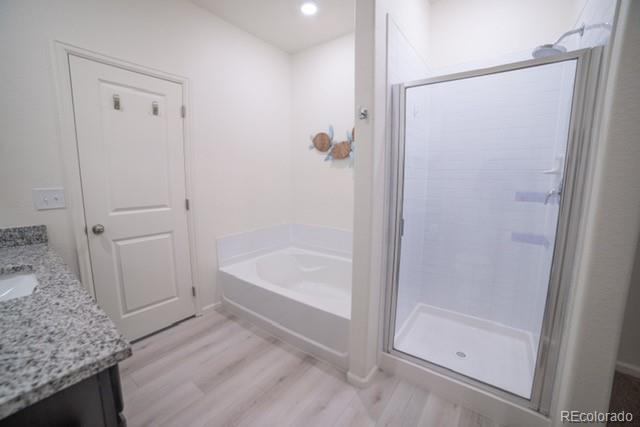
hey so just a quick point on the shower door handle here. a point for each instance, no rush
(551, 193)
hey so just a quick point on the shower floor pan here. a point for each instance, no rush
(487, 351)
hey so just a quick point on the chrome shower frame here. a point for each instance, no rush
(576, 171)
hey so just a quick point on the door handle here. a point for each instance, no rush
(98, 229)
(552, 193)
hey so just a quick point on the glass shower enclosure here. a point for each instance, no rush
(486, 185)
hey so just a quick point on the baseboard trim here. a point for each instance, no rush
(362, 382)
(211, 307)
(628, 368)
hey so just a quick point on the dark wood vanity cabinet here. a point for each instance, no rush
(93, 402)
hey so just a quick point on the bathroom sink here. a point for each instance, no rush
(17, 285)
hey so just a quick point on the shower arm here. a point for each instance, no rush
(582, 29)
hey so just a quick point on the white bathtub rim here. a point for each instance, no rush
(282, 235)
(255, 280)
(282, 224)
(253, 230)
(250, 255)
(323, 251)
(268, 249)
(337, 359)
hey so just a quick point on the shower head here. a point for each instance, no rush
(556, 48)
(548, 50)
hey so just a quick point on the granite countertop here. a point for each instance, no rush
(55, 337)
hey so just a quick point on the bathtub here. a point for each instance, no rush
(301, 295)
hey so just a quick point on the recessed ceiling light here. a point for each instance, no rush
(309, 8)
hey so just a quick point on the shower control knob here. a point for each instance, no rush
(98, 229)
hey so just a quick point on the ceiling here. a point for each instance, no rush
(281, 23)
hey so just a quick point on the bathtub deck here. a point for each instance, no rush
(218, 370)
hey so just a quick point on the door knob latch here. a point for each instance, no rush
(98, 229)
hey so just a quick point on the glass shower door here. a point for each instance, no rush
(482, 159)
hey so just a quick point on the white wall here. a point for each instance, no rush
(372, 88)
(252, 108)
(322, 95)
(611, 231)
(240, 110)
(477, 30)
(629, 353)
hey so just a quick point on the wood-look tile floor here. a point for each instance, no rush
(218, 370)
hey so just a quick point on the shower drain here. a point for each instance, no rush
(461, 354)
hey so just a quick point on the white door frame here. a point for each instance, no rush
(71, 164)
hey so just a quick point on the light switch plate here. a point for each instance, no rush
(48, 198)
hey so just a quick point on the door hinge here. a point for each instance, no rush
(401, 226)
(193, 291)
(187, 205)
(183, 111)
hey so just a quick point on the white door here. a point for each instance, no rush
(131, 150)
